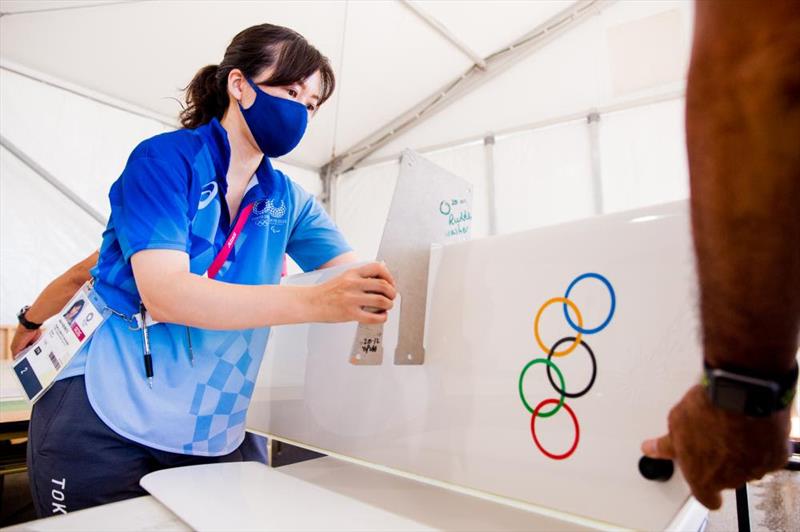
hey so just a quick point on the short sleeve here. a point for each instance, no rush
(151, 208)
(314, 239)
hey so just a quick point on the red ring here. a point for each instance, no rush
(574, 421)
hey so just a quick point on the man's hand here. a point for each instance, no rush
(719, 450)
(23, 338)
(52, 298)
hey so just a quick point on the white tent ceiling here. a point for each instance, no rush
(626, 64)
(386, 57)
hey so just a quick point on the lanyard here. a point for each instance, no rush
(222, 256)
(142, 319)
(213, 270)
(215, 267)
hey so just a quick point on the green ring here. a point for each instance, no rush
(560, 378)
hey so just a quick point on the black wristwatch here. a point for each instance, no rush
(738, 391)
(24, 321)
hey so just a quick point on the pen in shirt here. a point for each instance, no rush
(148, 358)
(189, 345)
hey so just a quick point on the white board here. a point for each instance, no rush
(327, 495)
(458, 417)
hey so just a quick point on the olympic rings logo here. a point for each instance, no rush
(572, 343)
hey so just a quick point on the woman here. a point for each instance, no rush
(73, 311)
(200, 222)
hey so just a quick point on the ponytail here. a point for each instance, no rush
(206, 98)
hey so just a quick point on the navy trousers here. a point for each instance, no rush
(76, 461)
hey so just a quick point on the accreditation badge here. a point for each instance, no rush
(38, 366)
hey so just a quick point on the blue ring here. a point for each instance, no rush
(610, 313)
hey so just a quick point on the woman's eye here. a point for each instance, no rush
(292, 93)
(311, 108)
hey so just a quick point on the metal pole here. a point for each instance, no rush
(328, 196)
(94, 96)
(491, 190)
(446, 33)
(593, 122)
(533, 126)
(742, 509)
(334, 188)
(469, 81)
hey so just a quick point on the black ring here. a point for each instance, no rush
(594, 368)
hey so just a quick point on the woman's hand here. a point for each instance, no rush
(346, 297)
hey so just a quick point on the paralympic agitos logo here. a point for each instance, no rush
(266, 213)
(553, 352)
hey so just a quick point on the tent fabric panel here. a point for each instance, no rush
(392, 60)
(42, 233)
(81, 142)
(571, 74)
(543, 177)
(474, 22)
(363, 198)
(643, 156)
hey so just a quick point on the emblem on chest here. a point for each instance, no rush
(267, 214)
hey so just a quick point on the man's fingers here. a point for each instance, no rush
(23, 340)
(711, 499)
(659, 448)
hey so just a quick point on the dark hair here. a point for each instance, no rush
(251, 51)
(78, 304)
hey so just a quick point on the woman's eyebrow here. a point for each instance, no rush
(303, 86)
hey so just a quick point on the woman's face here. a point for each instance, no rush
(305, 92)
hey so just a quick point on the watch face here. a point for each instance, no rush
(729, 395)
(747, 398)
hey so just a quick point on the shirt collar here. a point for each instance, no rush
(216, 138)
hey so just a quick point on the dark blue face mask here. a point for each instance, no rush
(277, 124)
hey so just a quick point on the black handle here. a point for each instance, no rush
(656, 469)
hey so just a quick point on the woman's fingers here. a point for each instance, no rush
(376, 301)
(377, 270)
(363, 294)
(378, 286)
(371, 318)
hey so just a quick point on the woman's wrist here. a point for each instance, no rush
(303, 305)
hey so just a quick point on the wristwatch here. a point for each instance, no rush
(739, 392)
(24, 321)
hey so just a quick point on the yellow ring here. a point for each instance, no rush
(577, 341)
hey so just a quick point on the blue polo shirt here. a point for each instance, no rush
(171, 195)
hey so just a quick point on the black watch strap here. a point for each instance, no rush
(31, 326)
(742, 392)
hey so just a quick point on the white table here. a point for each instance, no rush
(322, 494)
(328, 494)
(141, 513)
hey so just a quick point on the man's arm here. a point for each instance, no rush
(51, 300)
(743, 126)
(743, 134)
